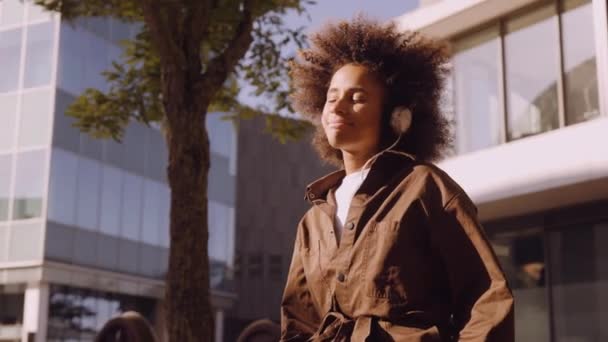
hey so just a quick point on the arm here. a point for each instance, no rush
(299, 317)
(482, 302)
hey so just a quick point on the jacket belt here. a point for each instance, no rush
(336, 327)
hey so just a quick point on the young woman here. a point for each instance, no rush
(391, 249)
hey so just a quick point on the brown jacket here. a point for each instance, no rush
(413, 263)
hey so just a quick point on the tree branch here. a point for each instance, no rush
(223, 64)
(195, 29)
(161, 36)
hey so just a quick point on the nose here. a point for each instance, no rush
(339, 106)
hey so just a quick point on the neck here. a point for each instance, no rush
(353, 162)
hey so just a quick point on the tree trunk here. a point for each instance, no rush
(188, 308)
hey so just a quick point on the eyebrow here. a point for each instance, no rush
(353, 89)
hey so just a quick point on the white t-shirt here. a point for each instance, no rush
(344, 195)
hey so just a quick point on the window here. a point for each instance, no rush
(90, 146)
(70, 73)
(151, 212)
(107, 308)
(220, 134)
(131, 206)
(255, 266)
(155, 166)
(531, 57)
(5, 181)
(39, 55)
(579, 274)
(522, 257)
(98, 25)
(165, 208)
(83, 56)
(63, 316)
(111, 191)
(533, 75)
(29, 184)
(62, 187)
(275, 262)
(8, 117)
(65, 134)
(580, 70)
(11, 302)
(77, 314)
(135, 147)
(34, 128)
(95, 55)
(88, 193)
(112, 152)
(10, 58)
(221, 232)
(476, 78)
(88, 323)
(12, 12)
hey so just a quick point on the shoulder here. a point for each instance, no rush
(434, 184)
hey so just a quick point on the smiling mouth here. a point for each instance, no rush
(339, 124)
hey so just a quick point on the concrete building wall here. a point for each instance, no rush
(271, 180)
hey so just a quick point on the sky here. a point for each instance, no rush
(330, 10)
(326, 10)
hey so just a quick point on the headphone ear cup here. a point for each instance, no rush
(401, 119)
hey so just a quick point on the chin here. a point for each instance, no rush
(335, 142)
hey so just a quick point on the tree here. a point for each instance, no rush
(189, 58)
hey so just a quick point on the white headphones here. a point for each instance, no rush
(401, 119)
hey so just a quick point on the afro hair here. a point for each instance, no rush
(413, 69)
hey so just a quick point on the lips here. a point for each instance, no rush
(338, 123)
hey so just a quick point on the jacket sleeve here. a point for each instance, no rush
(482, 303)
(299, 317)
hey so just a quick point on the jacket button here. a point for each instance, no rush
(341, 277)
(350, 225)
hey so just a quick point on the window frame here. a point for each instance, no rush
(560, 7)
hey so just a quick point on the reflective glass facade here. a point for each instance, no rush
(476, 97)
(28, 43)
(112, 196)
(556, 266)
(77, 314)
(580, 67)
(528, 73)
(69, 199)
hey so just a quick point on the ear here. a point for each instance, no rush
(401, 119)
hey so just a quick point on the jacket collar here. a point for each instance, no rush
(317, 191)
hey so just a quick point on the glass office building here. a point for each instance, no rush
(529, 95)
(84, 222)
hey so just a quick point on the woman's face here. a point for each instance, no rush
(353, 109)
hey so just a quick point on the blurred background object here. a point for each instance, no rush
(128, 327)
(263, 330)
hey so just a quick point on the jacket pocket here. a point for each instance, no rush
(383, 278)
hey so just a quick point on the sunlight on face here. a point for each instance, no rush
(353, 109)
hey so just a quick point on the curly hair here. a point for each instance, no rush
(413, 69)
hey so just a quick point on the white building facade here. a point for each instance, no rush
(529, 97)
(83, 222)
